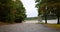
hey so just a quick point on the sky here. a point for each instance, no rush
(29, 5)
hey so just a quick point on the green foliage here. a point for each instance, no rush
(20, 13)
(11, 10)
(49, 7)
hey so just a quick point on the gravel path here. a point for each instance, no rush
(26, 27)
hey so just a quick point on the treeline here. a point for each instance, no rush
(12, 11)
(48, 8)
(31, 18)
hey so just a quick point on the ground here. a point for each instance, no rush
(27, 27)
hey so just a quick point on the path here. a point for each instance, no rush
(26, 27)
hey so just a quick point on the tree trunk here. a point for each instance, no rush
(46, 19)
(58, 22)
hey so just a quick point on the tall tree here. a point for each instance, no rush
(41, 5)
(10, 10)
(50, 5)
(20, 13)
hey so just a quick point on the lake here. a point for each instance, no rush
(54, 21)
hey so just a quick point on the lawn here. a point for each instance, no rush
(2, 23)
(56, 26)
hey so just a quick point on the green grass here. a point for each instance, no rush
(2, 23)
(56, 26)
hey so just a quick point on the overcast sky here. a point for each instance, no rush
(29, 5)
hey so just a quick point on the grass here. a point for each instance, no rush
(5, 23)
(2, 23)
(56, 26)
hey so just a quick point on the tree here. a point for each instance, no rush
(56, 10)
(10, 10)
(4, 9)
(20, 13)
(50, 5)
(41, 5)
